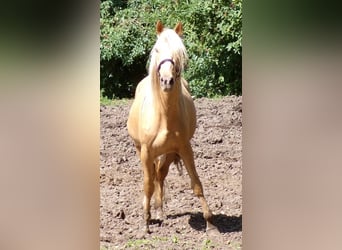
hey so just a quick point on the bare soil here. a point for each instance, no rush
(217, 146)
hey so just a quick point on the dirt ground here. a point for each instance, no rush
(217, 146)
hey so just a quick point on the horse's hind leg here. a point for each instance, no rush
(149, 176)
(162, 169)
(186, 154)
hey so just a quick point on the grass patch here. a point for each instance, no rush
(207, 244)
(138, 243)
(104, 100)
(235, 245)
(173, 241)
(113, 102)
(145, 242)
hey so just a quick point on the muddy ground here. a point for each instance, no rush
(217, 146)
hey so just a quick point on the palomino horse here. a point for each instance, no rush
(162, 120)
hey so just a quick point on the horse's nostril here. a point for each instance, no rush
(167, 81)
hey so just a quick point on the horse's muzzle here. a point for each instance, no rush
(166, 83)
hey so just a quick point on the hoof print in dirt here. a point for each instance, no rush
(121, 215)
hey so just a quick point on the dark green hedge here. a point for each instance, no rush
(212, 36)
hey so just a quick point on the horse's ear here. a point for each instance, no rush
(179, 29)
(159, 27)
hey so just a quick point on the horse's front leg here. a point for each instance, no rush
(186, 154)
(149, 176)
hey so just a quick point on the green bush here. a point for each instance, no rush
(212, 36)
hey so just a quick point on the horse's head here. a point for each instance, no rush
(169, 55)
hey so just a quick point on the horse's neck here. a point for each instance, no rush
(168, 104)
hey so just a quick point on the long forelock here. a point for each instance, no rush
(174, 43)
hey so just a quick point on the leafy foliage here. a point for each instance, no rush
(212, 36)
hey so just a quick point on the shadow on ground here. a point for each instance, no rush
(224, 223)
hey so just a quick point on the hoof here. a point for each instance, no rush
(141, 234)
(212, 230)
(143, 230)
(160, 215)
(147, 229)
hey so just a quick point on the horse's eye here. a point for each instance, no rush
(156, 50)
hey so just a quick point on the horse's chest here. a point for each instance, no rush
(167, 139)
